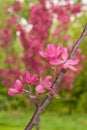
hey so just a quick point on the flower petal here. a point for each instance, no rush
(12, 91)
(47, 78)
(34, 79)
(47, 85)
(18, 85)
(39, 88)
(59, 51)
(51, 48)
(65, 54)
(27, 77)
(65, 65)
(73, 61)
(72, 68)
(43, 54)
(56, 62)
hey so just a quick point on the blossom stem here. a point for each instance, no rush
(55, 84)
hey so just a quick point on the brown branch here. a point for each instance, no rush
(55, 84)
(38, 124)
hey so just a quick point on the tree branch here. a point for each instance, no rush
(55, 84)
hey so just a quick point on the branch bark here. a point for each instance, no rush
(55, 84)
(38, 124)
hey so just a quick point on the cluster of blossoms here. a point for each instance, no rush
(33, 81)
(32, 41)
(11, 69)
(9, 76)
(57, 56)
(17, 6)
(64, 14)
(42, 20)
(5, 37)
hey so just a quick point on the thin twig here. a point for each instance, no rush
(55, 84)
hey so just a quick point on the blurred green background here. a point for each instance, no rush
(69, 112)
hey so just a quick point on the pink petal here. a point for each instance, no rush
(47, 85)
(59, 51)
(27, 76)
(65, 65)
(56, 62)
(51, 48)
(18, 85)
(65, 54)
(73, 62)
(33, 79)
(46, 82)
(43, 54)
(12, 91)
(73, 68)
(47, 78)
(39, 88)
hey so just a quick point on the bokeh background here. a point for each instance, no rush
(68, 112)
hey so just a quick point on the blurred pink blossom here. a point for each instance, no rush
(45, 84)
(52, 52)
(30, 79)
(68, 63)
(18, 87)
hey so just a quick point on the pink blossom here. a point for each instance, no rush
(45, 84)
(40, 88)
(41, 19)
(17, 6)
(30, 79)
(65, 62)
(68, 63)
(17, 88)
(59, 56)
(5, 37)
(52, 52)
(75, 9)
(12, 20)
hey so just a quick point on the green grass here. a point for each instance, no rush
(49, 121)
